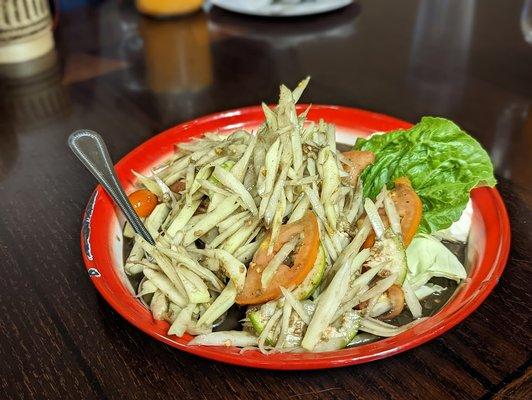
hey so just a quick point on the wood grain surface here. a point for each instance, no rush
(465, 60)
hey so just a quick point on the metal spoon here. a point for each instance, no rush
(90, 148)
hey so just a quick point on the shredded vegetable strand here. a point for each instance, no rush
(296, 305)
(393, 216)
(268, 329)
(277, 260)
(411, 300)
(374, 218)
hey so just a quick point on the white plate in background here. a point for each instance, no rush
(286, 8)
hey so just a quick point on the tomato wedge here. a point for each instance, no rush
(409, 208)
(143, 202)
(360, 160)
(286, 276)
(397, 299)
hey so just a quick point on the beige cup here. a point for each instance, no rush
(25, 30)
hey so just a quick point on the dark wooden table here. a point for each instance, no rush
(130, 77)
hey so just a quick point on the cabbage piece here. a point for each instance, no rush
(427, 258)
(425, 291)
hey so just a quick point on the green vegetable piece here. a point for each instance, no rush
(259, 317)
(443, 163)
(314, 277)
(340, 334)
(390, 249)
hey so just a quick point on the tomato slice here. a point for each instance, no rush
(360, 160)
(409, 208)
(143, 202)
(286, 276)
(397, 299)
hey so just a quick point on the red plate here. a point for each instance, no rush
(101, 242)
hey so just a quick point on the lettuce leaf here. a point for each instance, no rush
(443, 163)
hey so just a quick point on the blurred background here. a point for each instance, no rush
(131, 69)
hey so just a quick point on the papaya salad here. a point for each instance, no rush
(316, 249)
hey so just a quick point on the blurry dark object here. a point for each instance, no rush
(32, 97)
(32, 94)
(526, 21)
(67, 5)
(54, 10)
(9, 148)
(442, 81)
(80, 67)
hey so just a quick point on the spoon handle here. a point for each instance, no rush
(90, 148)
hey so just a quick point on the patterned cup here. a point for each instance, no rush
(25, 30)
